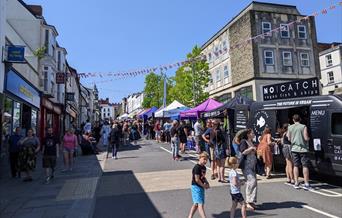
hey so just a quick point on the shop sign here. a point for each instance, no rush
(60, 78)
(19, 87)
(15, 54)
(70, 96)
(294, 89)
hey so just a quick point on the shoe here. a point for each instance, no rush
(250, 206)
(116, 158)
(268, 177)
(213, 177)
(296, 186)
(307, 187)
(113, 157)
(48, 179)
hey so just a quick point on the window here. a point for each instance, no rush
(59, 61)
(245, 91)
(330, 77)
(58, 93)
(336, 123)
(284, 31)
(53, 51)
(301, 31)
(266, 28)
(287, 58)
(328, 60)
(46, 80)
(209, 57)
(108, 114)
(225, 72)
(218, 76)
(304, 59)
(216, 51)
(46, 44)
(268, 57)
(224, 45)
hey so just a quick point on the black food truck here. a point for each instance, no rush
(323, 117)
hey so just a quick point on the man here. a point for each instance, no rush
(198, 128)
(14, 149)
(50, 154)
(115, 135)
(167, 130)
(299, 138)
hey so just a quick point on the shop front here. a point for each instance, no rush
(71, 120)
(51, 116)
(21, 105)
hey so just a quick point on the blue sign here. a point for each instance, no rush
(20, 88)
(15, 53)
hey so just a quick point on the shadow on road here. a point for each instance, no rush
(120, 194)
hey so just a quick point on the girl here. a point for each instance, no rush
(265, 150)
(69, 145)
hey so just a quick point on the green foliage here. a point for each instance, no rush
(154, 90)
(191, 79)
(40, 52)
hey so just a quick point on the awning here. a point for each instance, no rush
(209, 104)
(174, 105)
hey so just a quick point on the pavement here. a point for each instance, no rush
(69, 194)
(146, 182)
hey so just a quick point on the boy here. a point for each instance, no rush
(50, 154)
(235, 188)
(199, 183)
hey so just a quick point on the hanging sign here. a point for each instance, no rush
(60, 78)
(70, 96)
(15, 54)
(293, 89)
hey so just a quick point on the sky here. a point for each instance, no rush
(122, 35)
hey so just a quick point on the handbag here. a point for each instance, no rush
(242, 161)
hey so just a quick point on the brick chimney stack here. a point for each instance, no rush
(36, 10)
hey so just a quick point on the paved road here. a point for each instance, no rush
(146, 182)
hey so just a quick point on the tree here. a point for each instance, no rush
(154, 90)
(191, 80)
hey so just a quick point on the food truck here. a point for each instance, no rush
(322, 114)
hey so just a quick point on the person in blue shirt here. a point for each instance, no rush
(14, 148)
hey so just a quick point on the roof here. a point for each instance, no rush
(241, 13)
(325, 48)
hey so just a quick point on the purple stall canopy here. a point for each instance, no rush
(209, 104)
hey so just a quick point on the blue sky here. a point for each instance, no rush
(121, 35)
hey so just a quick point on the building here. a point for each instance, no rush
(89, 105)
(72, 99)
(278, 56)
(134, 102)
(109, 111)
(2, 65)
(330, 59)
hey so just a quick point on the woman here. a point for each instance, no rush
(210, 149)
(286, 144)
(105, 131)
(264, 150)
(69, 145)
(27, 156)
(248, 151)
(174, 140)
(134, 134)
(115, 141)
(182, 134)
(157, 130)
(125, 130)
(217, 139)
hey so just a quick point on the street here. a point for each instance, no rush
(146, 182)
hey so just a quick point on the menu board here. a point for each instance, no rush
(241, 117)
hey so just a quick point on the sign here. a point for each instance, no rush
(261, 120)
(294, 89)
(70, 96)
(15, 54)
(241, 117)
(20, 88)
(60, 78)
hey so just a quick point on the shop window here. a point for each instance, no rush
(16, 115)
(336, 123)
(284, 31)
(34, 117)
(224, 98)
(7, 118)
(245, 91)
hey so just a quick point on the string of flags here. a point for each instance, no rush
(165, 67)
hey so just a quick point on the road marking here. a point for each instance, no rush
(320, 212)
(321, 191)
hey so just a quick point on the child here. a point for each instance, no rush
(199, 183)
(235, 188)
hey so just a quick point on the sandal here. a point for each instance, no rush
(213, 177)
(250, 206)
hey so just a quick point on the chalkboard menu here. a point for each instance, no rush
(241, 117)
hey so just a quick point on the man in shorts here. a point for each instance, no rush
(299, 138)
(50, 154)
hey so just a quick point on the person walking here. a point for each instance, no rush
(157, 130)
(264, 150)
(105, 132)
(210, 149)
(298, 135)
(198, 129)
(175, 140)
(50, 150)
(30, 146)
(248, 158)
(134, 133)
(198, 185)
(14, 149)
(235, 185)
(115, 135)
(69, 145)
(286, 144)
(182, 134)
(167, 130)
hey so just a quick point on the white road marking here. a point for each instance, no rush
(320, 212)
(321, 191)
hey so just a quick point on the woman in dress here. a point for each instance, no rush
(248, 151)
(27, 156)
(265, 151)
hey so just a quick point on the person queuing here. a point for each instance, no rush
(182, 134)
(299, 138)
(69, 145)
(209, 148)
(264, 151)
(167, 131)
(115, 135)
(30, 146)
(198, 129)
(50, 150)
(134, 132)
(247, 164)
(286, 144)
(175, 140)
(14, 149)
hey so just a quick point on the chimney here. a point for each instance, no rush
(37, 10)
